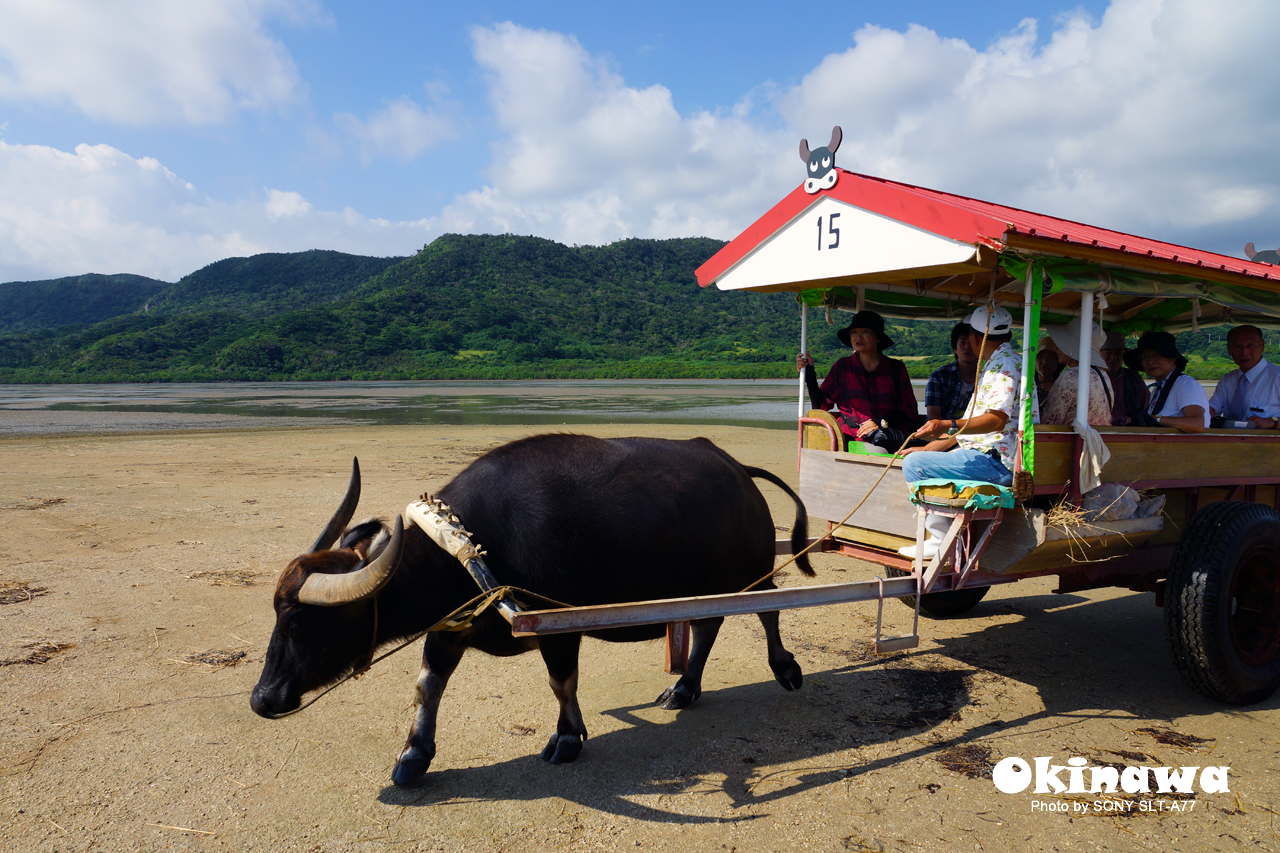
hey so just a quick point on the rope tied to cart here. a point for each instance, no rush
(458, 620)
(438, 521)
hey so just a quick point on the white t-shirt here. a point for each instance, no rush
(1185, 392)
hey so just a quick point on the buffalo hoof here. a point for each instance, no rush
(677, 697)
(411, 766)
(562, 749)
(789, 675)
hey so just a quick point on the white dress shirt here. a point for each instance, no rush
(1262, 397)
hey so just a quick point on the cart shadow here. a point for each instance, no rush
(1083, 654)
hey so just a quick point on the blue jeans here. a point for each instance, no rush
(958, 464)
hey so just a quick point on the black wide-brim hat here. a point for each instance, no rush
(866, 320)
(1162, 342)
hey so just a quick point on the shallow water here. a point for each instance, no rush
(48, 409)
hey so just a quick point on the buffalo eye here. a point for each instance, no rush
(826, 162)
(813, 165)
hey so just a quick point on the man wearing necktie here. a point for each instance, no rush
(1251, 393)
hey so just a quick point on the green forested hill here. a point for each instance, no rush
(465, 306)
(481, 307)
(270, 284)
(74, 300)
(531, 299)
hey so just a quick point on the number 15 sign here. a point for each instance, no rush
(849, 241)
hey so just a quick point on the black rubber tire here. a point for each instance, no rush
(1222, 602)
(942, 605)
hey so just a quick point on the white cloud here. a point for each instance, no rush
(402, 130)
(281, 204)
(1158, 119)
(144, 62)
(100, 210)
(589, 159)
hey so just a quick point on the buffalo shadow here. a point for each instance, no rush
(726, 742)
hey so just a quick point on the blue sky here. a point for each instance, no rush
(155, 137)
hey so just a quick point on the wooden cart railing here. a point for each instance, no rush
(1191, 470)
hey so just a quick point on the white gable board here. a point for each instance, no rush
(832, 238)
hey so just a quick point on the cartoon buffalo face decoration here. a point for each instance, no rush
(1266, 256)
(821, 162)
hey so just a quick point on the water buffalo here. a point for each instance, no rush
(578, 519)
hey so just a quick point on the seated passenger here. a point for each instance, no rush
(1131, 394)
(1251, 393)
(1178, 400)
(1048, 366)
(1060, 407)
(872, 391)
(950, 387)
(986, 438)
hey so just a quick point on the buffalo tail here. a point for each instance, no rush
(800, 530)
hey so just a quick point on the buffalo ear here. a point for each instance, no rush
(327, 590)
(804, 150)
(364, 530)
(837, 136)
(1249, 250)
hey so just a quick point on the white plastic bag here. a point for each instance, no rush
(1110, 502)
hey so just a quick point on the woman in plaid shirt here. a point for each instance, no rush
(872, 391)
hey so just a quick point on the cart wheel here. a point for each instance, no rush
(942, 605)
(1222, 605)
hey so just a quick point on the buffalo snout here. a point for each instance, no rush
(273, 701)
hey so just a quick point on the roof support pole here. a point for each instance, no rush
(1030, 330)
(1086, 354)
(804, 347)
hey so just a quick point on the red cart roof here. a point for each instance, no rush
(984, 226)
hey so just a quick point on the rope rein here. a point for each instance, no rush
(447, 623)
(447, 531)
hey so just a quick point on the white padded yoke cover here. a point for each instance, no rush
(444, 528)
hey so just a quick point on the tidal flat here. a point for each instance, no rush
(136, 606)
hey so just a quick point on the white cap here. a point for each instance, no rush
(994, 321)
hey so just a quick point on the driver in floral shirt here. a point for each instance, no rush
(987, 436)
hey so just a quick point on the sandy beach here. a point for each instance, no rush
(135, 607)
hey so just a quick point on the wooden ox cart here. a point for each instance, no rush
(1212, 557)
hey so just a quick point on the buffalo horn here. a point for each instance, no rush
(340, 518)
(327, 590)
